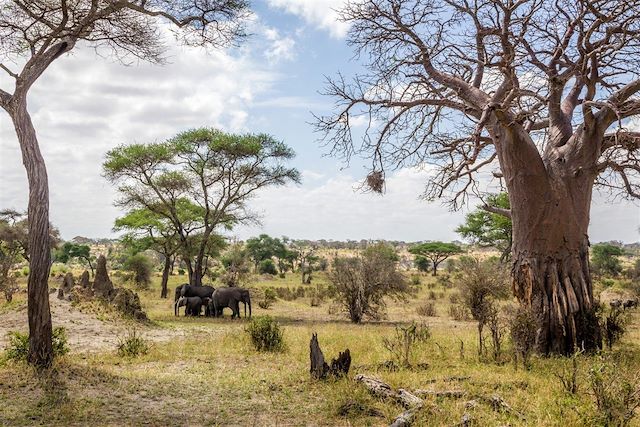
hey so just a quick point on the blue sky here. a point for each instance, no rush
(84, 105)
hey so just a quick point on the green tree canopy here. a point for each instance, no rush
(487, 228)
(604, 259)
(210, 172)
(70, 250)
(436, 252)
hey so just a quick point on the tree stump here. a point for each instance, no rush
(320, 369)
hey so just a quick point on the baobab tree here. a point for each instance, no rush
(541, 94)
(33, 34)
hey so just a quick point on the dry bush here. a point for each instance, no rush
(401, 345)
(615, 391)
(362, 282)
(481, 283)
(523, 327)
(427, 309)
(459, 312)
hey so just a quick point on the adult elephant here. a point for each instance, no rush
(230, 297)
(189, 291)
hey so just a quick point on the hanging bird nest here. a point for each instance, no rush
(375, 181)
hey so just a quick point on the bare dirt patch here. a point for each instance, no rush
(86, 333)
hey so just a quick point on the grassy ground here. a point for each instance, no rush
(210, 375)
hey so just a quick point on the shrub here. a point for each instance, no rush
(459, 312)
(132, 345)
(268, 299)
(481, 283)
(523, 327)
(140, 266)
(18, 347)
(422, 264)
(432, 295)
(604, 259)
(267, 266)
(444, 280)
(401, 344)
(181, 271)
(415, 279)
(616, 393)
(265, 334)
(427, 309)
(362, 282)
(614, 326)
(454, 298)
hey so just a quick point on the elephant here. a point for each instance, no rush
(230, 297)
(187, 290)
(196, 291)
(193, 305)
(178, 292)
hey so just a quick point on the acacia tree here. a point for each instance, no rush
(436, 252)
(36, 33)
(489, 229)
(212, 172)
(540, 93)
(70, 250)
(151, 231)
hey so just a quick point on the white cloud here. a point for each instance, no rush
(281, 49)
(319, 13)
(332, 208)
(84, 105)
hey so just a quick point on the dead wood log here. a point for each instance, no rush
(442, 393)
(379, 388)
(320, 369)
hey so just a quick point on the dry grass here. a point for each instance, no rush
(208, 374)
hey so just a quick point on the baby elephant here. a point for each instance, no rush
(193, 305)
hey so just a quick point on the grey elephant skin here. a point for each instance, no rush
(230, 297)
(186, 290)
(193, 305)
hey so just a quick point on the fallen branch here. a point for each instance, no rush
(383, 390)
(444, 393)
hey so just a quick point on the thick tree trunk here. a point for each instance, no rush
(165, 277)
(40, 328)
(550, 198)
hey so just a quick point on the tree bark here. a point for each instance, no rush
(165, 276)
(40, 328)
(550, 200)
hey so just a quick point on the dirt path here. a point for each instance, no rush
(86, 333)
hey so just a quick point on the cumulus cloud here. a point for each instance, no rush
(84, 105)
(282, 47)
(319, 13)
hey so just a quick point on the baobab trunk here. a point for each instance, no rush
(40, 329)
(550, 207)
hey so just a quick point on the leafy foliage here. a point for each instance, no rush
(488, 229)
(18, 347)
(199, 181)
(265, 334)
(132, 345)
(141, 268)
(436, 252)
(604, 259)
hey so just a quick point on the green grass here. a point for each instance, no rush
(215, 365)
